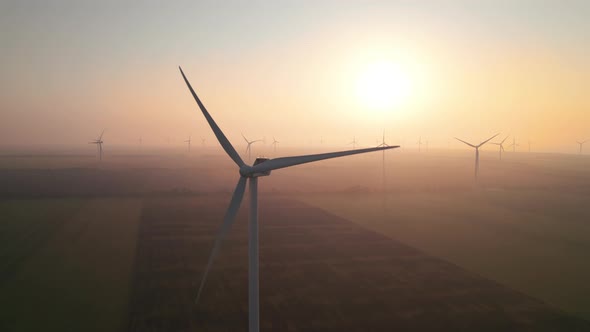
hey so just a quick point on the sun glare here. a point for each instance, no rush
(383, 85)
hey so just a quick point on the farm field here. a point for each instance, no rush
(121, 245)
(318, 272)
(67, 263)
(533, 241)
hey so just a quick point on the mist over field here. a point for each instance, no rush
(521, 231)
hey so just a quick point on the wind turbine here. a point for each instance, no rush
(261, 167)
(203, 141)
(353, 142)
(501, 145)
(420, 144)
(581, 143)
(248, 148)
(383, 144)
(530, 146)
(98, 143)
(189, 143)
(514, 144)
(476, 147)
(274, 144)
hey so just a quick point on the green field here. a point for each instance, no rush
(536, 242)
(66, 264)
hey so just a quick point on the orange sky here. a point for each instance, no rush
(290, 71)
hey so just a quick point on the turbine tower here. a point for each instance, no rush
(501, 145)
(274, 144)
(261, 167)
(248, 148)
(514, 144)
(353, 142)
(476, 147)
(98, 143)
(383, 144)
(581, 143)
(189, 143)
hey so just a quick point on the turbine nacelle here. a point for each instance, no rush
(249, 172)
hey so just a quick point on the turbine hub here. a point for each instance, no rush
(247, 171)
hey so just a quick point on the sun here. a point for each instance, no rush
(383, 85)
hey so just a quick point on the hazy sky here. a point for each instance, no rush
(291, 69)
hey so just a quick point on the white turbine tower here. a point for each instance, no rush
(581, 143)
(501, 145)
(98, 143)
(476, 147)
(261, 167)
(249, 148)
(189, 143)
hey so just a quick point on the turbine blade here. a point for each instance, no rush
(229, 149)
(484, 142)
(228, 221)
(245, 139)
(460, 140)
(504, 140)
(277, 163)
(100, 137)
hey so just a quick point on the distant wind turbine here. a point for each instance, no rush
(420, 144)
(384, 145)
(581, 143)
(203, 141)
(530, 143)
(353, 142)
(189, 143)
(274, 144)
(98, 143)
(476, 147)
(514, 144)
(249, 148)
(501, 145)
(261, 167)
